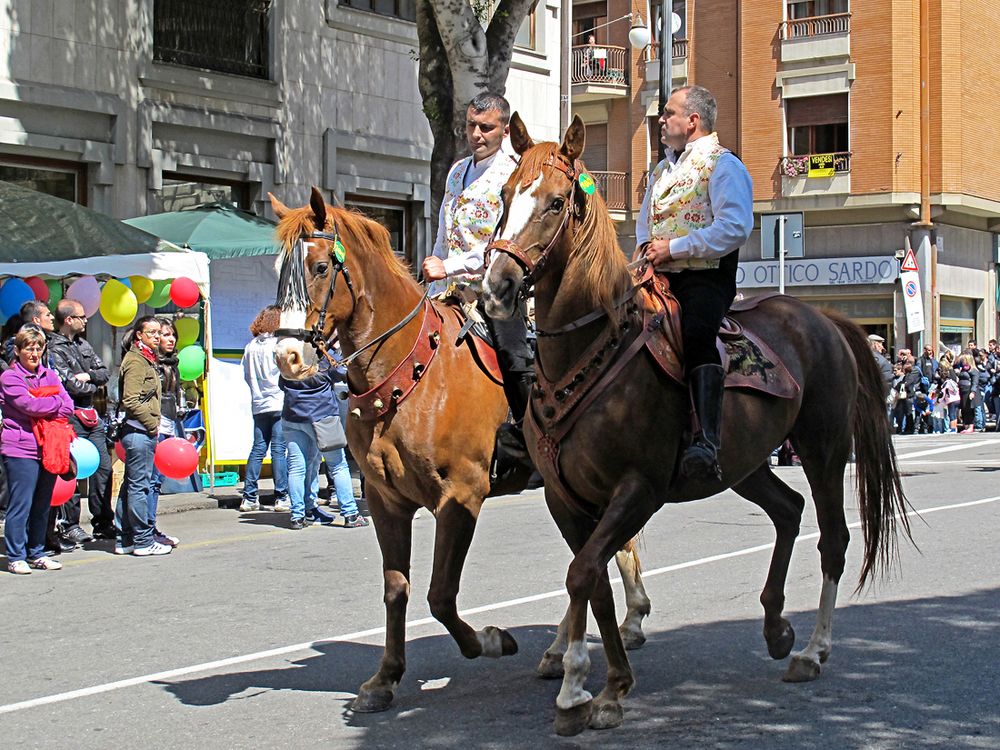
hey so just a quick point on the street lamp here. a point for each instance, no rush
(638, 35)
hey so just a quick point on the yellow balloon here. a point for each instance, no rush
(118, 304)
(187, 331)
(142, 288)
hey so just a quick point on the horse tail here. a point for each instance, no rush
(882, 502)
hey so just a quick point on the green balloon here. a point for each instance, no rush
(191, 362)
(161, 293)
(55, 291)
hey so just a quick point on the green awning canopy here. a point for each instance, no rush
(220, 230)
(37, 228)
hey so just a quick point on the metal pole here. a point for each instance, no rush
(566, 29)
(666, 60)
(781, 254)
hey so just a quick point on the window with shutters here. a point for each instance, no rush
(817, 125)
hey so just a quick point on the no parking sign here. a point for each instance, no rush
(912, 301)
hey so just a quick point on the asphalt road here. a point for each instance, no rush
(253, 635)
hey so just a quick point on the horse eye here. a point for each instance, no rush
(557, 204)
(320, 269)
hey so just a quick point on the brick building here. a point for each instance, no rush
(805, 78)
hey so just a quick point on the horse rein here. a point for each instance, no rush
(314, 336)
(531, 268)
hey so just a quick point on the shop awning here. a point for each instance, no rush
(220, 230)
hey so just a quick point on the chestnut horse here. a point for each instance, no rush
(616, 466)
(432, 446)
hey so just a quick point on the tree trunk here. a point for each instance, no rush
(458, 60)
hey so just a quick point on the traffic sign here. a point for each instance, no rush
(909, 262)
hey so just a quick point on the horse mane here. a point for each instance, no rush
(358, 234)
(601, 272)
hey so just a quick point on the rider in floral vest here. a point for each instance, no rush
(697, 212)
(470, 211)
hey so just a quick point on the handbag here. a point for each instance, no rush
(87, 417)
(330, 433)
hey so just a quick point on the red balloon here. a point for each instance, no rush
(62, 491)
(184, 292)
(120, 451)
(176, 458)
(39, 287)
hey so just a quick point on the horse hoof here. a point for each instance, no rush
(632, 639)
(607, 715)
(572, 721)
(781, 646)
(550, 667)
(801, 670)
(372, 701)
(508, 646)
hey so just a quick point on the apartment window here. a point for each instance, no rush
(404, 10)
(181, 191)
(813, 8)
(228, 36)
(526, 34)
(817, 124)
(393, 215)
(63, 180)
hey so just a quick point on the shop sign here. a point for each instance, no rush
(873, 269)
(821, 165)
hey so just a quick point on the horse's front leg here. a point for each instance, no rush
(456, 523)
(393, 527)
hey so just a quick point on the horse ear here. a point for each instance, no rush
(519, 137)
(574, 140)
(279, 208)
(318, 204)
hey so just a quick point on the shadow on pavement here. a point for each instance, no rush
(902, 674)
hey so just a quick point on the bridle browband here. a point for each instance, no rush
(532, 268)
(314, 336)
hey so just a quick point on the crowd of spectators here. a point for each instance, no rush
(941, 393)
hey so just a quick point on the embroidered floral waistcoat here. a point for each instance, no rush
(471, 214)
(680, 202)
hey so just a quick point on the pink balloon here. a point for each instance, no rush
(87, 292)
(39, 287)
(62, 491)
(176, 458)
(120, 451)
(184, 292)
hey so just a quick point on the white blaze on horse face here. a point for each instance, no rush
(522, 206)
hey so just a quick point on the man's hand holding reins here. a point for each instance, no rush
(657, 252)
(433, 269)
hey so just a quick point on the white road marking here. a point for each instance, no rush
(359, 634)
(946, 449)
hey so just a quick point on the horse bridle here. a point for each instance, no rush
(532, 269)
(314, 336)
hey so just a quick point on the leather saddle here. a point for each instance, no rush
(460, 301)
(748, 361)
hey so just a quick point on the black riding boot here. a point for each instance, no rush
(701, 459)
(510, 434)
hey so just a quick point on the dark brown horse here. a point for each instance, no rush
(617, 465)
(425, 438)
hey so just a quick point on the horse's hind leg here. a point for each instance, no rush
(825, 472)
(783, 506)
(636, 601)
(637, 604)
(393, 526)
(456, 524)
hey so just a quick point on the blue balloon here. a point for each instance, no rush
(13, 294)
(125, 280)
(86, 456)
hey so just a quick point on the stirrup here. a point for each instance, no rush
(701, 460)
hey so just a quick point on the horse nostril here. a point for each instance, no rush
(504, 287)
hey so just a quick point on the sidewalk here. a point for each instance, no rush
(229, 498)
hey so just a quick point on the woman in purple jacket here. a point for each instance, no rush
(30, 484)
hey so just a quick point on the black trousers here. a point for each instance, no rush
(705, 296)
(514, 357)
(98, 499)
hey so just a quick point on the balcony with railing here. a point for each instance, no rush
(816, 38)
(228, 36)
(678, 67)
(815, 174)
(599, 72)
(613, 186)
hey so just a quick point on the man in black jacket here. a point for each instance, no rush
(82, 373)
